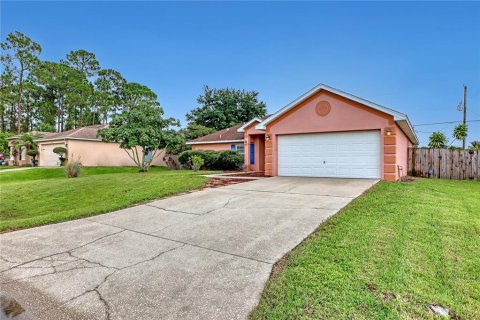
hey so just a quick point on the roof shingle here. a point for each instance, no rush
(222, 135)
(88, 132)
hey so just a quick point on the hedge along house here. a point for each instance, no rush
(84, 144)
(323, 133)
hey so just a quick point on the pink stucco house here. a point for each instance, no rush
(323, 133)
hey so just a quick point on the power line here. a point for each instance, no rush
(446, 122)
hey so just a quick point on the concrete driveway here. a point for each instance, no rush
(202, 255)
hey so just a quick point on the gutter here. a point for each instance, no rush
(67, 138)
(213, 142)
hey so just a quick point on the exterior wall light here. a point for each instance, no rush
(389, 131)
(267, 137)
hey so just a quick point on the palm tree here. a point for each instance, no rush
(460, 132)
(475, 145)
(437, 140)
(26, 140)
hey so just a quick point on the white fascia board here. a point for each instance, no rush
(242, 128)
(67, 138)
(396, 115)
(407, 128)
(213, 142)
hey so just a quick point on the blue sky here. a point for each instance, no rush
(412, 57)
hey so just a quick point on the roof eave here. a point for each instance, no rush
(246, 125)
(407, 128)
(67, 138)
(213, 142)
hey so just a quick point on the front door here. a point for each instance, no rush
(252, 153)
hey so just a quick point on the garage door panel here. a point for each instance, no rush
(341, 154)
(48, 157)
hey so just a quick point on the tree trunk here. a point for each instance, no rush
(80, 116)
(27, 118)
(13, 119)
(19, 108)
(2, 122)
(144, 167)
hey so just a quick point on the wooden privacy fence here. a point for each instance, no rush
(444, 163)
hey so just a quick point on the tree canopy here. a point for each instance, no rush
(141, 129)
(194, 131)
(222, 108)
(437, 140)
(460, 132)
(20, 56)
(58, 96)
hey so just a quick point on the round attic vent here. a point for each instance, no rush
(323, 108)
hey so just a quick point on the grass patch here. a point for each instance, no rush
(42, 196)
(388, 255)
(7, 167)
(52, 173)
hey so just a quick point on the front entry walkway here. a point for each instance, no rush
(203, 255)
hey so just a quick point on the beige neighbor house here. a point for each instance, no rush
(82, 143)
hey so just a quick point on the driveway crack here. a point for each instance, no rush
(223, 206)
(176, 211)
(105, 279)
(62, 252)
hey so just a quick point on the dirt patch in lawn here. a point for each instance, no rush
(220, 182)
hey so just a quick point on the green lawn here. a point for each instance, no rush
(7, 167)
(388, 255)
(44, 195)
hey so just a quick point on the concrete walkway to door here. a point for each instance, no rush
(202, 255)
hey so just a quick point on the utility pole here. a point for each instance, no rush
(464, 111)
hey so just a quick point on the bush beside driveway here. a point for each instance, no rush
(389, 255)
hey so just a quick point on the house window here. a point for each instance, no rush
(148, 156)
(240, 148)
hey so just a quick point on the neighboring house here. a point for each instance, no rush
(323, 133)
(83, 143)
(22, 157)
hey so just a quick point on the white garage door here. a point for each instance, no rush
(353, 154)
(47, 157)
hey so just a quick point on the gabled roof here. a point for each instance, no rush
(401, 119)
(247, 124)
(223, 136)
(242, 128)
(82, 133)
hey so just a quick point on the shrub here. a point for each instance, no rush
(229, 160)
(209, 157)
(213, 160)
(73, 168)
(61, 151)
(32, 153)
(196, 162)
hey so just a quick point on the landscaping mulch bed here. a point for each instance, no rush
(249, 174)
(220, 182)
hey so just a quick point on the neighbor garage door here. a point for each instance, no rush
(47, 157)
(353, 154)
